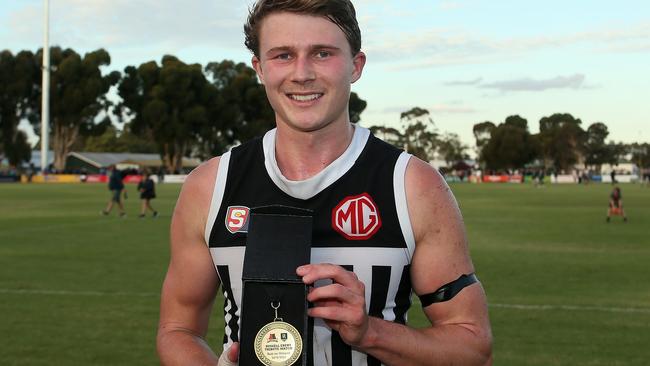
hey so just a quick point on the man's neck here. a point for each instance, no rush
(301, 155)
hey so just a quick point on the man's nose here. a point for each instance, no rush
(303, 70)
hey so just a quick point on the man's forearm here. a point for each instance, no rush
(395, 344)
(180, 347)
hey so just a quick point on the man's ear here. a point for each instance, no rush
(358, 61)
(257, 65)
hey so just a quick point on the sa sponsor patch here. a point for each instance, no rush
(237, 219)
(356, 217)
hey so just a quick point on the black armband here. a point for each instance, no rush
(448, 291)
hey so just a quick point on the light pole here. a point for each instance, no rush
(45, 93)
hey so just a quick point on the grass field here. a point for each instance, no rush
(564, 287)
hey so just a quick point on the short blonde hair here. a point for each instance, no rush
(339, 12)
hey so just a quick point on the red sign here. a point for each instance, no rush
(96, 178)
(237, 219)
(356, 217)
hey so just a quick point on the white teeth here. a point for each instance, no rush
(304, 98)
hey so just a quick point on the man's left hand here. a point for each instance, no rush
(341, 304)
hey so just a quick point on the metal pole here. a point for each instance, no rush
(45, 94)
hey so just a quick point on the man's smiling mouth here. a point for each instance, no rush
(305, 97)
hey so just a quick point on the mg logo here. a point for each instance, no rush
(237, 219)
(356, 217)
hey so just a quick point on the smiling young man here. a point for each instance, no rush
(385, 223)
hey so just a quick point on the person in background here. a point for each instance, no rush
(116, 186)
(616, 204)
(147, 190)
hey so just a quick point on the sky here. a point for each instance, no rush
(465, 61)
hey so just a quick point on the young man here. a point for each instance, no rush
(616, 204)
(408, 234)
(116, 186)
(147, 189)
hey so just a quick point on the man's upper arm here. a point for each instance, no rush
(191, 281)
(441, 252)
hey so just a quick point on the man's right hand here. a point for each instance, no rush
(230, 356)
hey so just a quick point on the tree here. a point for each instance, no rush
(168, 104)
(388, 134)
(561, 139)
(357, 106)
(615, 153)
(596, 151)
(240, 109)
(77, 96)
(511, 145)
(420, 136)
(482, 134)
(113, 140)
(18, 100)
(640, 154)
(452, 149)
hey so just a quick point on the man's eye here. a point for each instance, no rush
(283, 56)
(323, 54)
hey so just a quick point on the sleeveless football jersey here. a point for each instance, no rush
(360, 222)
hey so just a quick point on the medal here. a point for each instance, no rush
(278, 343)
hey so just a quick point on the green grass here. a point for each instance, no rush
(564, 287)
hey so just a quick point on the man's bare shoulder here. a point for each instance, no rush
(422, 179)
(202, 178)
(432, 206)
(196, 193)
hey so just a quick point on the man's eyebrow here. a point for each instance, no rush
(311, 48)
(324, 47)
(279, 49)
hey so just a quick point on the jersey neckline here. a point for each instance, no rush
(308, 188)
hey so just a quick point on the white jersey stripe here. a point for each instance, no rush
(401, 204)
(217, 194)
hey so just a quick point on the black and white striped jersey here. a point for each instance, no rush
(360, 222)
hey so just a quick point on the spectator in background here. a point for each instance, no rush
(116, 186)
(613, 176)
(161, 174)
(616, 204)
(147, 190)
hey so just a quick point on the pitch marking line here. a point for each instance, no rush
(73, 293)
(571, 308)
(501, 306)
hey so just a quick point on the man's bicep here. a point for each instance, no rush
(188, 291)
(441, 254)
(191, 281)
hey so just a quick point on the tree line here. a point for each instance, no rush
(561, 143)
(177, 109)
(172, 108)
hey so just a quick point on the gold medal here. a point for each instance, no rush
(278, 343)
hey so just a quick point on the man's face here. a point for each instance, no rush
(307, 68)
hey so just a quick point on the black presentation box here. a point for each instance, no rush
(279, 241)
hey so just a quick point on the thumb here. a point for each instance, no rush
(229, 356)
(233, 352)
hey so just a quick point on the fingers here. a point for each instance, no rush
(337, 293)
(313, 272)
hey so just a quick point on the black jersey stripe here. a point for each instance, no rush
(310, 341)
(378, 296)
(229, 299)
(341, 351)
(379, 290)
(403, 297)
